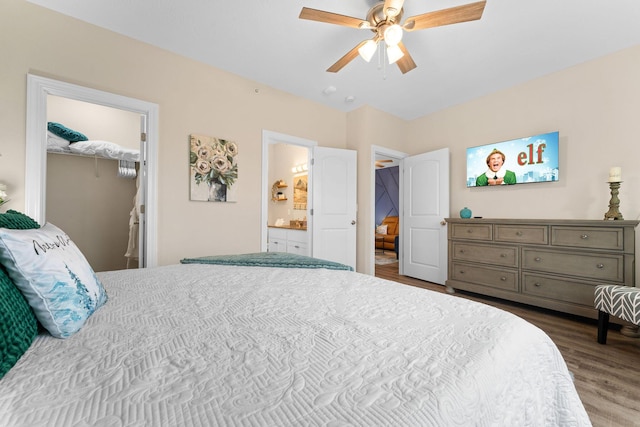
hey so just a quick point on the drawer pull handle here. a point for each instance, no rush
(584, 236)
(461, 271)
(518, 233)
(296, 246)
(537, 285)
(600, 266)
(503, 255)
(504, 279)
(537, 259)
(469, 230)
(461, 251)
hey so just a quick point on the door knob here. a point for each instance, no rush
(353, 222)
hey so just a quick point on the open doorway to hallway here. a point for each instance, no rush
(386, 211)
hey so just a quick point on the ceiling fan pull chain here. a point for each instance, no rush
(384, 64)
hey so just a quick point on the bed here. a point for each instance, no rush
(206, 344)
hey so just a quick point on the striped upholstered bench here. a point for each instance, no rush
(620, 301)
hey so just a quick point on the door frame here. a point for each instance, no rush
(38, 88)
(397, 155)
(270, 138)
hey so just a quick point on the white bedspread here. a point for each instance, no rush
(210, 345)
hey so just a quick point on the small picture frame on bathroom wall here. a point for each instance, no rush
(300, 192)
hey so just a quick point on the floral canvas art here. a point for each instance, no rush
(213, 168)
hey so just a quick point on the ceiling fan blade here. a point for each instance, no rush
(332, 18)
(384, 160)
(348, 57)
(392, 8)
(405, 63)
(453, 15)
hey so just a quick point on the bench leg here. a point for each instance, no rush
(603, 326)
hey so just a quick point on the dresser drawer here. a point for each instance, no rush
(277, 245)
(590, 266)
(529, 234)
(588, 237)
(277, 233)
(471, 231)
(297, 248)
(493, 277)
(558, 289)
(488, 254)
(299, 236)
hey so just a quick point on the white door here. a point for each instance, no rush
(425, 192)
(334, 205)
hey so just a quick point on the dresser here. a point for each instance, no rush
(554, 264)
(291, 240)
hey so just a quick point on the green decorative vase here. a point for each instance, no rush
(465, 212)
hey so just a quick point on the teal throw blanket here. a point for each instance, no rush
(268, 259)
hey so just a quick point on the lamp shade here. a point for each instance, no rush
(393, 35)
(394, 53)
(367, 50)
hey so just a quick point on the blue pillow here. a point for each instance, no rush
(54, 277)
(66, 133)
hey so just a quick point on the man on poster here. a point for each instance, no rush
(496, 174)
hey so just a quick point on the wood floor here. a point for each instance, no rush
(607, 377)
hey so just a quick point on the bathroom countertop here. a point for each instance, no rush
(290, 227)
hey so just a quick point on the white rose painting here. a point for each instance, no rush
(214, 169)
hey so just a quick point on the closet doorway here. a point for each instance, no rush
(92, 196)
(39, 89)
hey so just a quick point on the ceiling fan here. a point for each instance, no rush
(384, 20)
(380, 163)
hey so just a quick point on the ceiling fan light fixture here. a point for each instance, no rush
(367, 50)
(394, 53)
(392, 35)
(392, 8)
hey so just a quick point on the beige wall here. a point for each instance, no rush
(369, 127)
(192, 98)
(594, 106)
(91, 204)
(96, 122)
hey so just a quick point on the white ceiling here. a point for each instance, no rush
(264, 41)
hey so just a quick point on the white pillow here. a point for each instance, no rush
(54, 277)
(382, 229)
(54, 141)
(107, 149)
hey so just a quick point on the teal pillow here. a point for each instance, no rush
(18, 324)
(66, 133)
(17, 221)
(54, 277)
